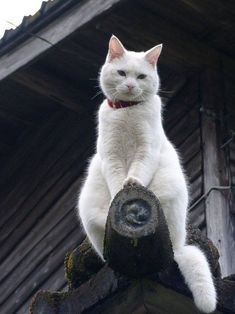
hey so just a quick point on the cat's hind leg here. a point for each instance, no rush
(93, 205)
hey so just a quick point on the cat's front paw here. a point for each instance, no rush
(131, 182)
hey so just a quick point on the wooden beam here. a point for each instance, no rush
(48, 85)
(13, 118)
(107, 291)
(181, 50)
(56, 31)
(220, 225)
(80, 264)
(137, 240)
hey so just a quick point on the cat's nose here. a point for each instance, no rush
(130, 86)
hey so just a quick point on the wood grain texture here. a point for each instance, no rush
(29, 287)
(61, 175)
(40, 195)
(21, 262)
(137, 240)
(84, 12)
(110, 292)
(52, 87)
(220, 226)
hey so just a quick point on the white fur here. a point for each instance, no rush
(132, 147)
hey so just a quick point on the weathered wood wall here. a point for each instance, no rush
(230, 139)
(232, 169)
(38, 220)
(183, 127)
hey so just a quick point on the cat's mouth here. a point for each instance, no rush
(130, 96)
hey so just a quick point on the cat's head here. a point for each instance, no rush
(128, 75)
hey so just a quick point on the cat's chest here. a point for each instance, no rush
(123, 131)
(126, 125)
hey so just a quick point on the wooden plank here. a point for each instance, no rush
(197, 216)
(53, 87)
(221, 21)
(20, 103)
(153, 251)
(232, 151)
(172, 83)
(40, 253)
(214, 28)
(191, 146)
(24, 222)
(18, 257)
(85, 63)
(185, 127)
(58, 174)
(194, 167)
(167, 32)
(181, 103)
(25, 170)
(220, 226)
(196, 188)
(12, 118)
(222, 10)
(27, 288)
(181, 14)
(230, 119)
(63, 26)
(28, 144)
(56, 282)
(146, 296)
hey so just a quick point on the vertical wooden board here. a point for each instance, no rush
(229, 83)
(232, 174)
(220, 225)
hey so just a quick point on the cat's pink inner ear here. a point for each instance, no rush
(153, 54)
(116, 49)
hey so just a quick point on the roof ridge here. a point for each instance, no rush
(31, 24)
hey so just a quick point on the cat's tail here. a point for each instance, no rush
(196, 272)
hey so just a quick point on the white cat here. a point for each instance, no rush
(132, 148)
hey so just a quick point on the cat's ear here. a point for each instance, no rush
(116, 49)
(153, 54)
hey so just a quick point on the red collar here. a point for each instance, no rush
(121, 104)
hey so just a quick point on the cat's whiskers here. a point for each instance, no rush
(101, 92)
(97, 94)
(114, 96)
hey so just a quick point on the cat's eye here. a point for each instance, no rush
(122, 73)
(141, 76)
